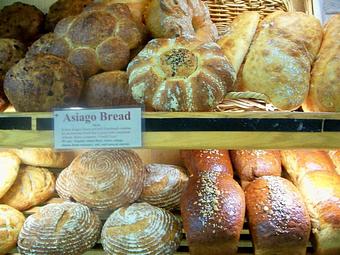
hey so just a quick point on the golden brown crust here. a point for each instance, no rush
(324, 93)
(251, 164)
(11, 222)
(278, 218)
(335, 157)
(9, 168)
(33, 186)
(43, 83)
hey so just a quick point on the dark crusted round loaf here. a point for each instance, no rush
(42, 83)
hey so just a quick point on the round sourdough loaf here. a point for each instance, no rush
(163, 185)
(11, 221)
(59, 229)
(9, 168)
(141, 229)
(181, 74)
(104, 180)
(33, 186)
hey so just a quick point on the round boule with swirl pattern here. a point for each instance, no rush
(103, 180)
(141, 229)
(180, 74)
(59, 229)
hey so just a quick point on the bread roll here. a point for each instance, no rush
(251, 164)
(103, 180)
(63, 229)
(136, 7)
(168, 19)
(43, 83)
(324, 93)
(141, 229)
(335, 157)
(279, 61)
(9, 168)
(45, 157)
(212, 206)
(299, 162)
(11, 222)
(321, 191)
(236, 41)
(181, 74)
(33, 186)
(278, 218)
(163, 185)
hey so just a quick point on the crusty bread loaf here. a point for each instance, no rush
(63, 229)
(181, 74)
(33, 186)
(141, 229)
(278, 218)
(321, 191)
(11, 221)
(212, 207)
(324, 93)
(251, 164)
(279, 61)
(299, 162)
(43, 83)
(168, 19)
(236, 41)
(335, 157)
(163, 185)
(9, 168)
(136, 7)
(104, 180)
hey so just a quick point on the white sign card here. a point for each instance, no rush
(77, 128)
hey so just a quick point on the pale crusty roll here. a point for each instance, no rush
(236, 42)
(278, 218)
(104, 180)
(335, 157)
(141, 229)
(11, 221)
(163, 185)
(251, 164)
(299, 162)
(279, 61)
(9, 168)
(33, 186)
(321, 191)
(45, 157)
(324, 93)
(63, 229)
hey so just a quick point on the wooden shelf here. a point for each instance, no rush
(257, 130)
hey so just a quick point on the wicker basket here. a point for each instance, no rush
(222, 12)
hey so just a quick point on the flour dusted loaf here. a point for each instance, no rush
(59, 229)
(43, 83)
(168, 19)
(278, 218)
(33, 186)
(136, 7)
(180, 74)
(11, 221)
(104, 180)
(324, 93)
(163, 185)
(279, 61)
(141, 229)
(9, 168)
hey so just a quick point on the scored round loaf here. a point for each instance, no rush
(33, 186)
(104, 180)
(43, 83)
(163, 185)
(9, 168)
(59, 229)
(278, 218)
(11, 221)
(141, 229)
(168, 19)
(45, 157)
(180, 74)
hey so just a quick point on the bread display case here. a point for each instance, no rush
(184, 154)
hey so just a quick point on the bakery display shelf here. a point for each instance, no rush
(256, 130)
